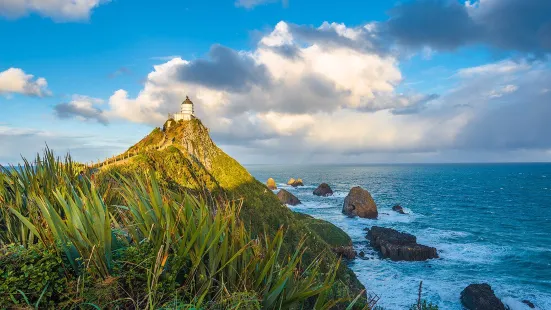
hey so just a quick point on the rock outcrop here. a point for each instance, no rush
(323, 190)
(359, 202)
(271, 184)
(287, 198)
(295, 183)
(399, 209)
(529, 304)
(480, 297)
(399, 246)
(345, 251)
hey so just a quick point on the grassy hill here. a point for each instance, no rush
(183, 156)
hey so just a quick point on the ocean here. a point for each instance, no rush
(489, 222)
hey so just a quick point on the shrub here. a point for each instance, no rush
(36, 274)
(424, 306)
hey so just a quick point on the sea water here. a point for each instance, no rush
(489, 222)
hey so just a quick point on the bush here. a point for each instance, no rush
(33, 275)
(424, 306)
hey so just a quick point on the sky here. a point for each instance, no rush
(292, 81)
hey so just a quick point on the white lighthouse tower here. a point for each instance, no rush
(186, 111)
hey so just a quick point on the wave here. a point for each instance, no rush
(515, 304)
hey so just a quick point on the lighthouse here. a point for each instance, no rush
(186, 111)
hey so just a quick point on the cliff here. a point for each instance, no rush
(184, 157)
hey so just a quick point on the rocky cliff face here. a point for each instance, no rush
(184, 156)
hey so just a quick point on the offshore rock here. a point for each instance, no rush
(399, 246)
(480, 297)
(529, 304)
(399, 209)
(287, 198)
(271, 184)
(323, 190)
(359, 202)
(295, 183)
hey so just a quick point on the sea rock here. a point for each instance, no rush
(399, 209)
(359, 202)
(399, 246)
(480, 297)
(345, 251)
(271, 184)
(295, 183)
(287, 198)
(323, 190)
(529, 304)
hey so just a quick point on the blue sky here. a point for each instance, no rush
(346, 81)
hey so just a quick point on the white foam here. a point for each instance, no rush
(515, 304)
(390, 216)
(339, 194)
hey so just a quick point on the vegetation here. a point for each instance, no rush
(424, 306)
(191, 161)
(135, 240)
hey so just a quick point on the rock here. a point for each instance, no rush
(529, 304)
(287, 198)
(323, 190)
(295, 183)
(399, 246)
(399, 209)
(359, 202)
(480, 297)
(271, 184)
(362, 254)
(345, 251)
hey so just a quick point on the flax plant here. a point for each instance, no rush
(217, 254)
(84, 226)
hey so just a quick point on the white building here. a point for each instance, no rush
(186, 111)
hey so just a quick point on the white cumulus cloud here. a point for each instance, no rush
(58, 10)
(16, 81)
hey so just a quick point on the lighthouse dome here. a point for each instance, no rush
(187, 101)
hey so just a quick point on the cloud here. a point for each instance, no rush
(225, 70)
(265, 98)
(165, 58)
(506, 66)
(249, 4)
(509, 25)
(417, 104)
(364, 38)
(81, 107)
(17, 142)
(58, 10)
(516, 120)
(16, 81)
(120, 71)
(324, 77)
(338, 98)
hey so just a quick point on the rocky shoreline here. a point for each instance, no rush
(393, 244)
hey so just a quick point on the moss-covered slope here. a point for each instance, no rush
(183, 155)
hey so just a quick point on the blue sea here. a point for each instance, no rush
(490, 223)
